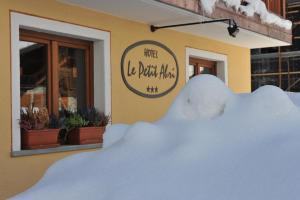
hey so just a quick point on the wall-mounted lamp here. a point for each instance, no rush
(233, 28)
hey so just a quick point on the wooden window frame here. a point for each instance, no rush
(53, 43)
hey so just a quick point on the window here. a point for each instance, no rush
(58, 33)
(202, 66)
(271, 69)
(55, 72)
(207, 62)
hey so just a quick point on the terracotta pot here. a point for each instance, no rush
(39, 139)
(86, 135)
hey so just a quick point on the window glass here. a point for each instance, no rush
(72, 79)
(284, 64)
(285, 81)
(264, 65)
(294, 64)
(33, 74)
(294, 83)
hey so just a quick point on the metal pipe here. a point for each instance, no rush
(154, 28)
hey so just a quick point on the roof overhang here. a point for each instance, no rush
(253, 34)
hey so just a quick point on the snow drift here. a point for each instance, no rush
(211, 145)
(295, 97)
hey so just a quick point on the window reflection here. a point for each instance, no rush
(33, 74)
(72, 79)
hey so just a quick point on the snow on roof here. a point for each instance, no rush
(253, 7)
(212, 144)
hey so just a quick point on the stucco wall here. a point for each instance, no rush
(17, 174)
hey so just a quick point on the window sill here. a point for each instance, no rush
(63, 148)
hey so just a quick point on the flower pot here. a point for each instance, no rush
(39, 139)
(86, 135)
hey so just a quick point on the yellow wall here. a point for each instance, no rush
(17, 174)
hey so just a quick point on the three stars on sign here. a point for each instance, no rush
(152, 89)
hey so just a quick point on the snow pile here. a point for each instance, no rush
(265, 100)
(208, 5)
(115, 133)
(253, 7)
(246, 147)
(259, 7)
(199, 100)
(295, 97)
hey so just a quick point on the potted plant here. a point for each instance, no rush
(38, 129)
(85, 127)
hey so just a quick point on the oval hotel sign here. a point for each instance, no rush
(149, 69)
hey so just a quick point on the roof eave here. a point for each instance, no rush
(252, 24)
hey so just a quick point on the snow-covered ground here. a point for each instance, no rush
(211, 145)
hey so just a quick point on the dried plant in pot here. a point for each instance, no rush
(38, 129)
(86, 127)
